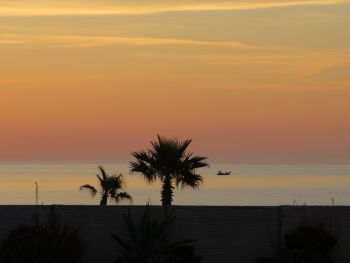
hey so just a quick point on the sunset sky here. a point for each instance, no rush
(261, 81)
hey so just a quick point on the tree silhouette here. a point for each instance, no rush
(169, 161)
(110, 186)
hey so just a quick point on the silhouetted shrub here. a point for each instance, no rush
(146, 241)
(310, 244)
(47, 242)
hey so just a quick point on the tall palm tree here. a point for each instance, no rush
(110, 186)
(169, 161)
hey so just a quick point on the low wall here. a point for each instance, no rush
(223, 234)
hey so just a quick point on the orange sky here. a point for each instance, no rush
(249, 81)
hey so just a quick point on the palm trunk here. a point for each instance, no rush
(167, 191)
(104, 199)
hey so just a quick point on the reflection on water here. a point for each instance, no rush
(247, 185)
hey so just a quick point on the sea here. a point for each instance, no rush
(248, 185)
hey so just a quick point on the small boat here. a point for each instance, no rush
(220, 173)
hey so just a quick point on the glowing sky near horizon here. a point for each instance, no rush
(249, 81)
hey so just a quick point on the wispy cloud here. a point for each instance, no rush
(82, 8)
(96, 41)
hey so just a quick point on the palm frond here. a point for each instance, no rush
(91, 189)
(122, 196)
(184, 145)
(143, 156)
(100, 179)
(103, 172)
(188, 179)
(145, 169)
(115, 182)
(198, 162)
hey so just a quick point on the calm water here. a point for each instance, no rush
(248, 185)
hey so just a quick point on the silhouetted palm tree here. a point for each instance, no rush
(169, 161)
(110, 185)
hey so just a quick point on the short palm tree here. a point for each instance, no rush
(110, 186)
(169, 161)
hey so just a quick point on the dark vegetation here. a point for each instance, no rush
(306, 243)
(310, 244)
(48, 241)
(148, 241)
